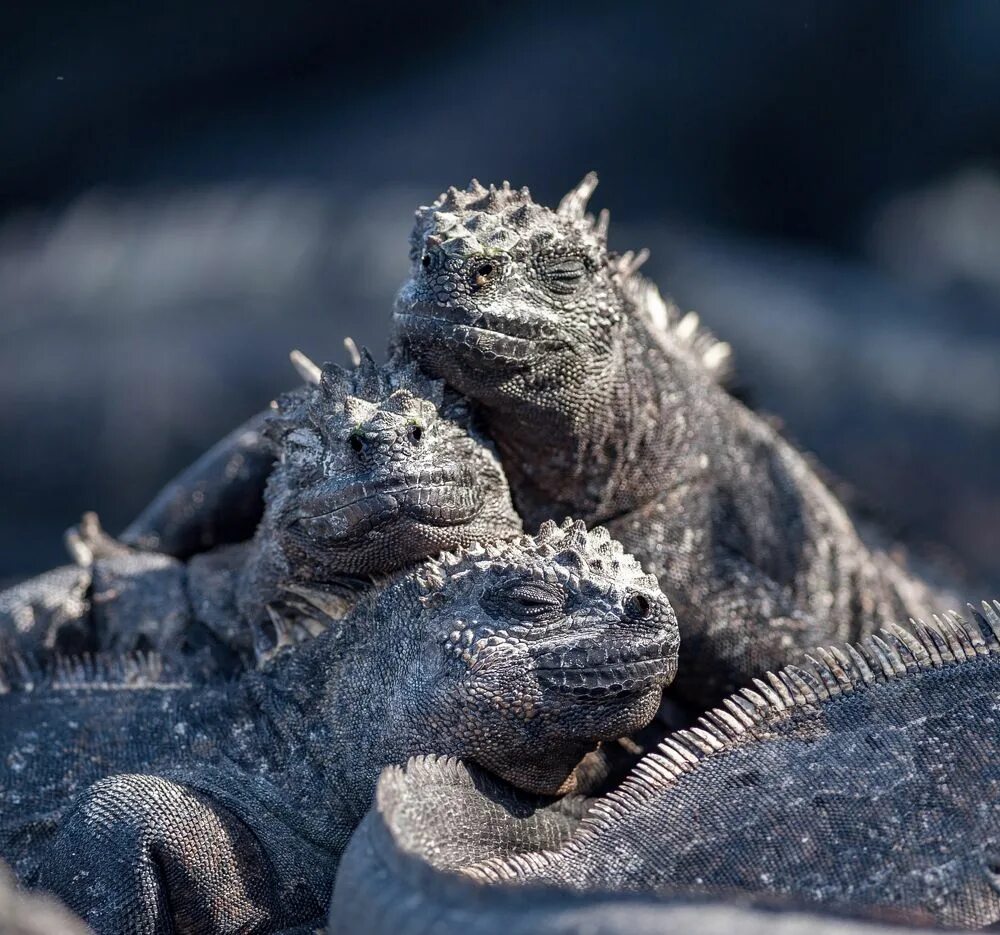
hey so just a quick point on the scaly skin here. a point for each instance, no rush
(377, 468)
(605, 404)
(865, 779)
(146, 803)
(401, 873)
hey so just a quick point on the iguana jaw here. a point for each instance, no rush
(446, 495)
(484, 337)
(605, 670)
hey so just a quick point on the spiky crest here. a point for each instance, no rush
(675, 330)
(375, 382)
(114, 671)
(750, 713)
(480, 220)
(353, 354)
(574, 203)
(573, 551)
(477, 197)
(304, 367)
(334, 385)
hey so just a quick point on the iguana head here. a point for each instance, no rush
(377, 470)
(525, 310)
(500, 283)
(528, 653)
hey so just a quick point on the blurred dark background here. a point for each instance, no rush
(189, 190)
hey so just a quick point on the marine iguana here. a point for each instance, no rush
(391, 881)
(606, 404)
(226, 807)
(865, 778)
(376, 468)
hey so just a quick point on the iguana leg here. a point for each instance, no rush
(115, 599)
(217, 500)
(138, 600)
(142, 854)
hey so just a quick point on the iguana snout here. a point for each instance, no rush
(445, 495)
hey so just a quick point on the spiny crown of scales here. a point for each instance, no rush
(569, 551)
(113, 671)
(335, 389)
(481, 220)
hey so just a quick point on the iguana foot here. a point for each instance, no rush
(143, 854)
(87, 542)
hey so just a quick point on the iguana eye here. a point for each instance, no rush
(527, 600)
(563, 273)
(533, 600)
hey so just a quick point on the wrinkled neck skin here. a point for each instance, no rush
(324, 711)
(268, 568)
(635, 424)
(265, 568)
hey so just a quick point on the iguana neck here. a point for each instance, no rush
(262, 574)
(642, 423)
(325, 704)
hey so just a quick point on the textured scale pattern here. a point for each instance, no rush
(866, 776)
(145, 801)
(861, 779)
(377, 469)
(606, 404)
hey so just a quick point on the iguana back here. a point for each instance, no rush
(867, 778)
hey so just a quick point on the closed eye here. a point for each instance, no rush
(563, 273)
(533, 600)
(527, 600)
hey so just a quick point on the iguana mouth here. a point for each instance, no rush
(481, 331)
(599, 672)
(440, 496)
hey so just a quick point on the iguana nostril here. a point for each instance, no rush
(483, 274)
(416, 434)
(357, 444)
(638, 606)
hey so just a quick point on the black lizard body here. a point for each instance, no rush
(863, 780)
